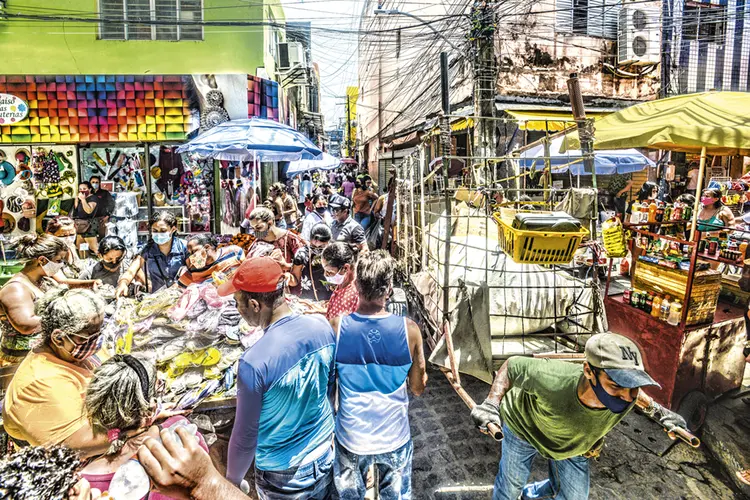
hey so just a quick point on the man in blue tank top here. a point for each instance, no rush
(377, 355)
(284, 420)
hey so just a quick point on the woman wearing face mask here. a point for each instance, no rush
(339, 262)
(84, 214)
(320, 215)
(19, 325)
(279, 244)
(714, 214)
(363, 199)
(205, 259)
(162, 257)
(308, 277)
(70, 275)
(113, 262)
(44, 401)
(121, 401)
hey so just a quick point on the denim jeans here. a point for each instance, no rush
(312, 481)
(363, 219)
(568, 479)
(281, 223)
(394, 469)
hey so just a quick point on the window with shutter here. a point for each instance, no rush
(192, 12)
(611, 16)
(564, 16)
(113, 13)
(595, 19)
(166, 12)
(151, 19)
(138, 14)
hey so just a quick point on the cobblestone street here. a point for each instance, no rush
(454, 461)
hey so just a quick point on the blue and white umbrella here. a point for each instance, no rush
(254, 138)
(606, 162)
(326, 162)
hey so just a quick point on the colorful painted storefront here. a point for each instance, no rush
(124, 129)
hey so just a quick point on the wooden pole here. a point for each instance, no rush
(698, 191)
(492, 429)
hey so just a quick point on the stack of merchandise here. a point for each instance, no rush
(654, 278)
(194, 336)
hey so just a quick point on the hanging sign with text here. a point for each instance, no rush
(12, 109)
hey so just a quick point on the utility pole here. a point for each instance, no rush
(586, 137)
(482, 35)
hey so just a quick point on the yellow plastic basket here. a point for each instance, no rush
(536, 247)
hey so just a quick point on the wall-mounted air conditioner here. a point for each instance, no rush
(291, 54)
(638, 38)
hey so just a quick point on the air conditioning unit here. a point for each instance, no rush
(638, 37)
(291, 54)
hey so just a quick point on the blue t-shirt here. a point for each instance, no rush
(284, 409)
(162, 269)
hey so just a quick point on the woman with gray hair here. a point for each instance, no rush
(44, 401)
(121, 401)
(19, 326)
(279, 244)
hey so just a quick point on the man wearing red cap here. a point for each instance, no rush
(284, 416)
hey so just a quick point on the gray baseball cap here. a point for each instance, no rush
(620, 358)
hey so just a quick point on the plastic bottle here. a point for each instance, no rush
(130, 481)
(652, 212)
(665, 305)
(644, 213)
(659, 217)
(675, 314)
(676, 212)
(649, 302)
(656, 307)
(635, 213)
(743, 250)
(667, 213)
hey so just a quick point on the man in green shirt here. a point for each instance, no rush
(562, 411)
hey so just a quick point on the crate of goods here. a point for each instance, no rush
(538, 237)
(673, 282)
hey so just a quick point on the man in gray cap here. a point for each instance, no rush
(562, 411)
(344, 228)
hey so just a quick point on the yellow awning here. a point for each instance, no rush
(551, 121)
(718, 121)
(456, 126)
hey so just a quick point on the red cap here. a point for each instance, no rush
(258, 274)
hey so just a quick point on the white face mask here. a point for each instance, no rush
(336, 279)
(52, 268)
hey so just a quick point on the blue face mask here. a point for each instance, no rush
(613, 403)
(161, 238)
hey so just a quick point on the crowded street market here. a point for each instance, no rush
(383, 250)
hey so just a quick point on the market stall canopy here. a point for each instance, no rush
(540, 120)
(254, 138)
(718, 121)
(326, 162)
(606, 162)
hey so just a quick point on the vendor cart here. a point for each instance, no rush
(697, 360)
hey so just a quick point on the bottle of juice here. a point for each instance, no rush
(659, 217)
(665, 305)
(652, 208)
(656, 307)
(644, 213)
(675, 314)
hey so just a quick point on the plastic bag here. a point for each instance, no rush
(613, 235)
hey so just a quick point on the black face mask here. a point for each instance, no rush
(111, 266)
(321, 210)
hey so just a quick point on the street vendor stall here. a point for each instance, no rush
(696, 355)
